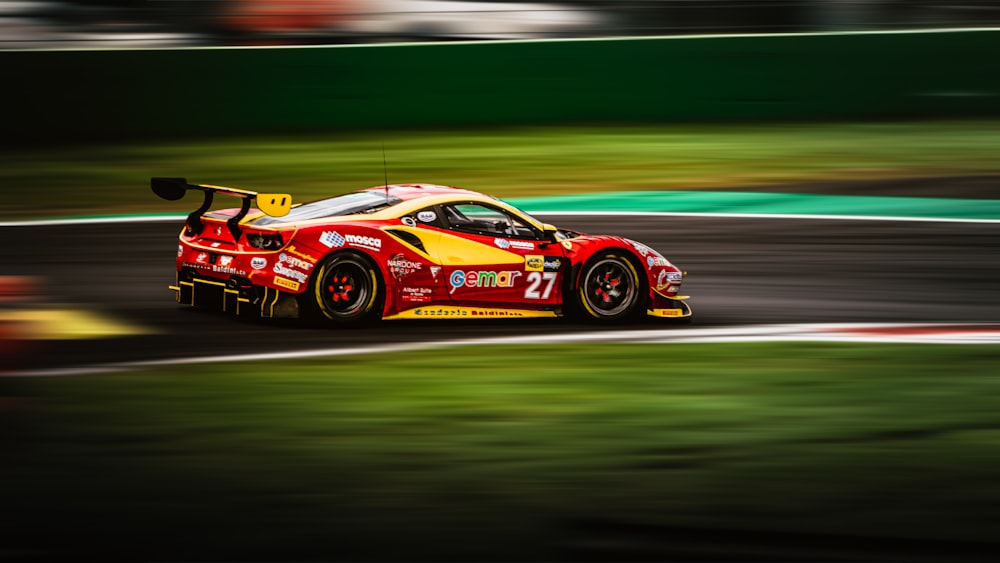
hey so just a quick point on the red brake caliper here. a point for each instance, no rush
(614, 283)
(600, 290)
(342, 293)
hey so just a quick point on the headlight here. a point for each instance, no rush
(669, 281)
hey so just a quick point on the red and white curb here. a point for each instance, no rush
(892, 333)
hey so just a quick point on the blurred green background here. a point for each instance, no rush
(508, 162)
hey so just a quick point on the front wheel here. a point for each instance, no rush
(347, 289)
(610, 289)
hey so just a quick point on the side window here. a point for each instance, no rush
(429, 216)
(522, 230)
(480, 219)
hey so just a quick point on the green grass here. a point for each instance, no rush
(526, 452)
(103, 179)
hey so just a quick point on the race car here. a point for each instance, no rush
(408, 251)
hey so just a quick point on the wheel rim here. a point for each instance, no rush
(610, 288)
(346, 289)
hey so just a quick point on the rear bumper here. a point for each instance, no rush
(234, 296)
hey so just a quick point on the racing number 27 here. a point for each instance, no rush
(535, 281)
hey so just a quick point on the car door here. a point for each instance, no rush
(492, 257)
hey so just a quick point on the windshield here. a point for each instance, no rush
(348, 204)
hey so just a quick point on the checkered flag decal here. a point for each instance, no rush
(332, 240)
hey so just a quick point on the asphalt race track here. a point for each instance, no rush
(741, 271)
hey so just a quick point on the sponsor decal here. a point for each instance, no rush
(655, 259)
(228, 270)
(287, 284)
(498, 313)
(534, 263)
(435, 270)
(427, 216)
(201, 258)
(474, 313)
(642, 248)
(331, 239)
(258, 263)
(448, 311)
(372, 243)
(409, 221)
(294, 262)
(180, 250)
(482, 278)
(296, 275)
(567, 245)
(661, 280)
(417, 294)
(216, 244)
(295, 252)
(218, 231)
(336, 240)
(440, 312)
(518, 244)
(216, 268)
(225, 260)
(400, 267)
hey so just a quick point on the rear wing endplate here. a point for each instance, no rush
(173, 189)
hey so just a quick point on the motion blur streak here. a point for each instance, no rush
(940, 333)
(29, 316)
(168, 23)
(17, 294)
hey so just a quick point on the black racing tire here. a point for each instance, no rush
(346, 289)
(611, 289)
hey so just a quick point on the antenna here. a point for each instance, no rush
(385, 170)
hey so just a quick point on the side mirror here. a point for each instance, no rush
(550, 232)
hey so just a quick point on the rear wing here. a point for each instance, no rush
(173, 189)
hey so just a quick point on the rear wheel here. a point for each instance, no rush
(347, 289)
(610, 288)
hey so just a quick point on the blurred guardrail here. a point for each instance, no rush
(67, 96)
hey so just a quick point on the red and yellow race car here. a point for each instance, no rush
(408, 251)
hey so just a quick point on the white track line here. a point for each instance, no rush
(933, 333)
(632, 39)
